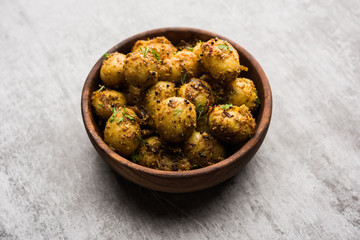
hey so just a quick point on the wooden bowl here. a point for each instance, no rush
(185, 181)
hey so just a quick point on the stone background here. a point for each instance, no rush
(302, 184)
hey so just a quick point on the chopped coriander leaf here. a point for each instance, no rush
(220, 100)
(225, 47)
(156, 55)
(144, 52)
(226, 106)
(200, 108)
(177, 112)
(100, 89)
(113, 116)
(135, 157)
(130, 117)
(126, 115)
(142, 141)
(200, 41)
(194, 166)
(106, 55)
(100, 105)
(183, 77)
(258, 102)
(190, 48)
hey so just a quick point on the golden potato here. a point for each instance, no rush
(122, 131)
(220, 59)
(203, 150)
(175, 119)
(243, 91)
(232, 124)
(197, 49)
(179, 67)
(141, 70)
(199, 93)
(112, 70)
(160, 44)
(158, 92)
(103, 100)
(153, 153)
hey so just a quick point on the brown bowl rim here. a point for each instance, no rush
(262, 127)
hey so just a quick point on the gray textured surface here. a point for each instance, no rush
(302, 184)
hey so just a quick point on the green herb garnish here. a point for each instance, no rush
(226, 106)
(220, 100)
(225, 47)
(106, 56)
(100, 89)
(142, 141)
(200, 41)
(113, 116)
(190, 48)
(258, 102)
(200, 108)
(194, 166)
(177, 112)
(100, 105)
(156, 55)
(144, 52)
(135, 157)
(183, 77)
(125, 115)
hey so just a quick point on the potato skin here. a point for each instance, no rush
(199, 93)
(232, 125)
(122, 133)
(175, 119)
(220, 59)
(174, 67)
(153, 154)
(160, 44)
(112, 70)
(243, 91)
(203, 150)
(141, 71)
(158, 92)
(103, 101)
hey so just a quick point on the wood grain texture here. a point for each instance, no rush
(303, 183)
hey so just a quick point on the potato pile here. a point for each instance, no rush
(173, 108)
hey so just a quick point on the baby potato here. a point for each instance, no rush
(175, 119)
(197, 49)
(148, 153)
(199, 93)
(152, 153)
(243, 91)
(232, 124)
(122, 131)
(160, 44)
(112, 70)
(141, 70)
(203, 150)
(220, 59)
(180, 67)
(158, 92)
(104, 100)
